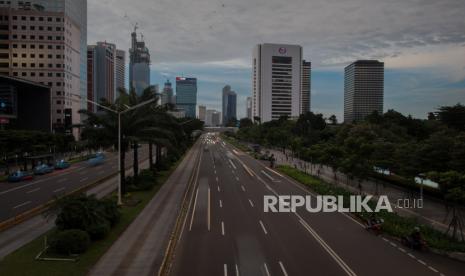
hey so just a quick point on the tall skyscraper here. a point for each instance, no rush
(229, 104)
(186, 95)
(167, 94)
(120, 70)
(248, 110)
(363, 89)
(45, 41)
(139, 64)
(306, 87)
(276, 81)
(103, 73)
(202, 112)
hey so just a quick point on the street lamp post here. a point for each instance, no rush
(119, 113)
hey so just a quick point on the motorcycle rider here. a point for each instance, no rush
(416, 238)
(373, 222)
(272, 159)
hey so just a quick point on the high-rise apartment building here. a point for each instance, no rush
(186, 95)
(167, 94)
(276, 81)
(363, 89)
(103, 73)
(120, 70)
(202, 112)
(139, 64)
(42, 41)
(229, 104)
(305, 94)
(248, 108)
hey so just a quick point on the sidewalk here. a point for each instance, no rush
(433, 212)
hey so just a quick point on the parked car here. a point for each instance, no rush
(43, 169)
(97, 160)
(20, 176)
(62, 164)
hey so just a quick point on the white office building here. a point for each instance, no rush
(276, 81)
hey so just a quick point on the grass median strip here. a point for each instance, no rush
(394, 224)
(22, 261)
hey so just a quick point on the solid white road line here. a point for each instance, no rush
(251, 203)
(266, 270)
(326, 247)
(225, 266)
(282, 268)
(221, 204)
(267, 175)
(263, 227)
(193, 210)
(59, 190)
(83, 179)
(222, 228)
(208, 210)
(433, 269)
(32, 191)
(273, 171)
(21, 205)
(247, 169)
(237, 270)
(232, 164)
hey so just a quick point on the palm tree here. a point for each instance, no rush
(145, 124)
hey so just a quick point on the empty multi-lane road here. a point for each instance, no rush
(226, 231)
(16, 198)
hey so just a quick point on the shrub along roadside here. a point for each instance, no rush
(394, 224)
(22, 262)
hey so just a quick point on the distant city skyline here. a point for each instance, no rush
(423, 69)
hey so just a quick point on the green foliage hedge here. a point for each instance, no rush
(88, 214)
(68, 242)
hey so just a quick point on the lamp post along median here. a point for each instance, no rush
(119, 113)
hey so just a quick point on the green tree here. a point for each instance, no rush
(245, 123)
(333, 119)
(453, 116)
(452, 185)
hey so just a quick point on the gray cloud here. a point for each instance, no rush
(330, 30)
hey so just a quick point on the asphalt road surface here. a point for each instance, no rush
(16, 198)
(226, 231)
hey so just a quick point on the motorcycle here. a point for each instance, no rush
(414, 244)
(375, 225)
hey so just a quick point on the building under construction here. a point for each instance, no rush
(139, 64)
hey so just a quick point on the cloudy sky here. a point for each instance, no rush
(422, 43)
